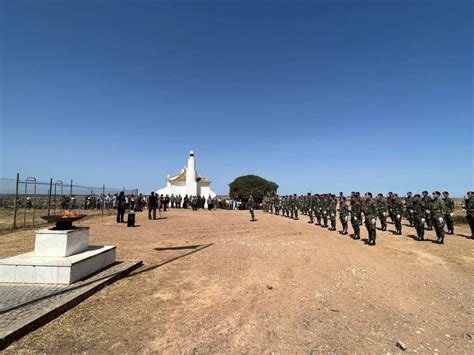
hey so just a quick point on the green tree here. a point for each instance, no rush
(243, 186)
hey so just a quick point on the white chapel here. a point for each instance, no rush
(187, 182)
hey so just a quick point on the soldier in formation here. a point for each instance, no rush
(356, 211)
(344, 214)
(408, 207)
(449, 215)
(426, 202)
(382, 210)
(419, 217)
(420, 211)
(370, 213)
(309, 206)
(397, 210)
(468, 207)
(438, 211)
(332, 211)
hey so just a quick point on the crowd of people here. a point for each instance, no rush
(421, 210)
(156, 202)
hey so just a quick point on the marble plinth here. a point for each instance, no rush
(50, 242)
(30, 268)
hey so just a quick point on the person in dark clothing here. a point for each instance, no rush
(210, 203)
(139, 203)
(120, 207)
(152, 204)
(185, 201)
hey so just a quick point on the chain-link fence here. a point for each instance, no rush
(24, 201)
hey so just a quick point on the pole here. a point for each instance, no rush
(26, 192)
(49, 195)
(70, 191)
(34, 204)
(16, 199)
(103, 197)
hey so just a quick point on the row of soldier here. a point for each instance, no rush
(421, 210)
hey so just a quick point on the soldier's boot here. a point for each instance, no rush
(296, 214)
(325, 220)
(356, 231)
(398, 226)
(450, 224)
(440, 234)
(333, 225)
(371, 238)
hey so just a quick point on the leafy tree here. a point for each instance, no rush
(243, 186)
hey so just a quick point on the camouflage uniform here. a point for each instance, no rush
(426, 202)
(309, 203)
(438, 210)
(317, 209)
(343, 215)
(389, 207)
(419, 218)
(370, 213)
(290, 206)
(409, 208)
(356, 210)
(324, 211)
(295, 206)
(332, 211)
(362, 207)
(251, 204)
(382, 212)
(397, 210)
(469, 208)
(449, 216)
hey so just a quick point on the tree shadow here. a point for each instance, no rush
(169, 260)
(179, 248)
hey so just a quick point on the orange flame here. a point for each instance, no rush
(69, 214)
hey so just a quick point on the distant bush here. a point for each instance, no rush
(244, 186)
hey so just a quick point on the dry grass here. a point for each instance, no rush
(276, 285)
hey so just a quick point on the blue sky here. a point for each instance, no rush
(314, 95)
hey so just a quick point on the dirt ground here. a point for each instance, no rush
(215, 282)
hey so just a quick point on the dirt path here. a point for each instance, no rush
(214, 282)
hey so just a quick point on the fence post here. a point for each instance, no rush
(16, 199)
(70, 191)
(49, 195)
(103, 197)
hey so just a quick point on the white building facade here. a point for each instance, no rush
(187, 182)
